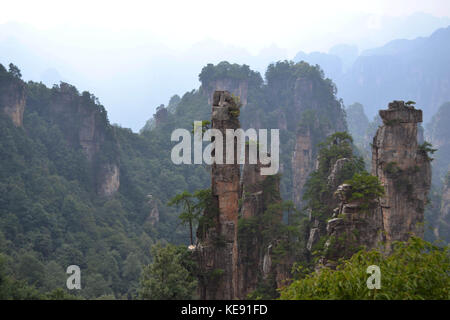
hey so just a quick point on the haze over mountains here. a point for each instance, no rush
(132, 74)
(412, 69)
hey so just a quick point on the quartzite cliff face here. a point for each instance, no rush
(254, 254)
(12, 98)
(85, 125)
(82, 121)
(237, 87)
(218, 245)
(311, 132)
(404, 170)
(231, 263)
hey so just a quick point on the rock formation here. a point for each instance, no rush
(218, 245)
(232, 263)
(254, 255)
(237, 87)
(109, 180)
(303, 163)
(352, 228)
(153, 217)
(313, 129)
(84, 125)
(403, 168)
(13, 99)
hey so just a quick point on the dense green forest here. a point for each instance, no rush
(53, 213)
(51, 216)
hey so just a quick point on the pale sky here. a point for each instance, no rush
(178, 24)
(134, 55)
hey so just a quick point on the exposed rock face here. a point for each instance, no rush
(236, 87)
(153, 217)
(233, 263)
(404, 170)
(437, 132)
(315, 130)
(218, 247)
(334, 175)
(12, 100)
(84, 125)
(442, 230)
(110, 180)
(319, 228)
(254, 256)
(352, 228)
(303, 163)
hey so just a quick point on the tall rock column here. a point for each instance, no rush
(302, 165)
(218, 246)
(403, 167)
(258, 192)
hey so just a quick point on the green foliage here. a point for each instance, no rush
(426, 149)
(317, 191)
(206, 124)
(283, 236)
(416, 270)
(225, 70)
(50, 214)
(235, 111)
(168, 277)
(14, 71)
(190, 214)
(365, 188)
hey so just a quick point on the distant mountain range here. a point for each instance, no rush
(417, 70)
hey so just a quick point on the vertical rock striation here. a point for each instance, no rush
(218, 247)
(352, 228)
(13, 99)
(236, 87)
(303, 162)
(232, 263)
(254, 255)
(84, 124)
(403, 167)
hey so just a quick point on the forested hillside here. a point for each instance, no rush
(75, 189)
(56, 206)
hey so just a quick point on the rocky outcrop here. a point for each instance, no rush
(318, 228)
(254, 255)
(153, 217)
(13, 99)
(311, 113)
(217, 248)
(303, 163)
(437, 132)
(352, 227)
(403, 168)
(109, 180)
(232, 260)
(159, 118)
(442, 229)
(84, 124)
(237, 87)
